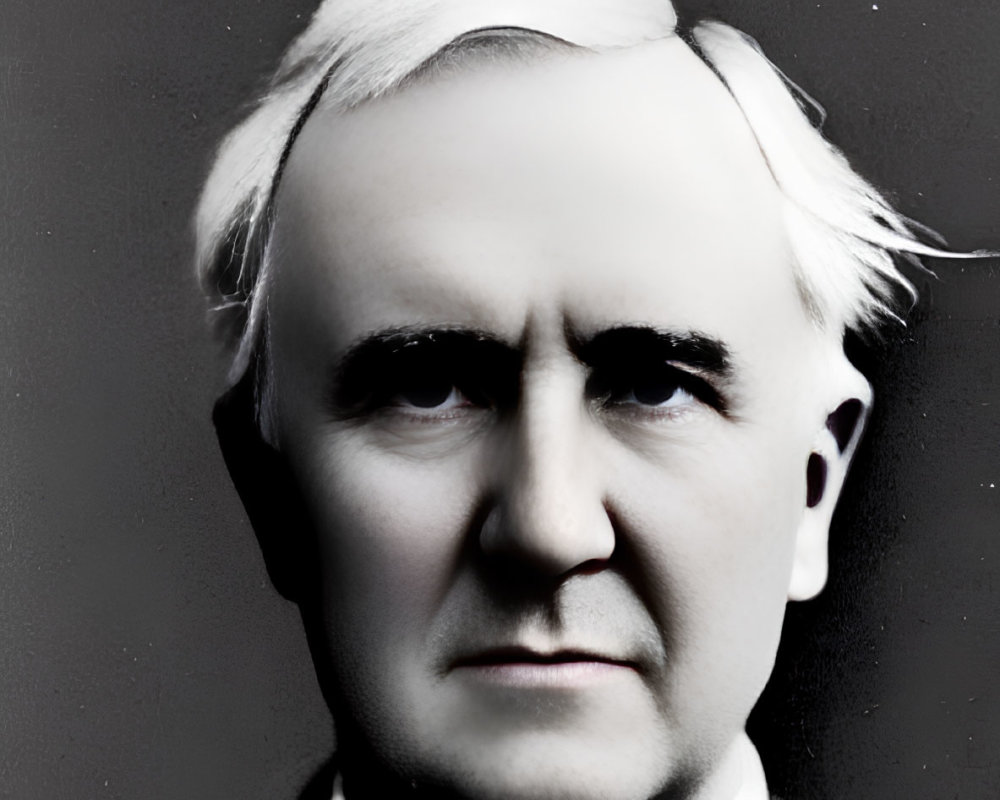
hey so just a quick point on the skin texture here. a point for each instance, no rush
(542, 204)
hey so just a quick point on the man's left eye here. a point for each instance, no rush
(657, 397)
(658, 390)
(659, 386)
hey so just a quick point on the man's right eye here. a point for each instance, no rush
(439, 375)
(417, 391)
(430, 396)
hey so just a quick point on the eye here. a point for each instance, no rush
(659, 389)
(438, 375)
(647, 373)
(676, 397)
(429, 393)
(421, 389)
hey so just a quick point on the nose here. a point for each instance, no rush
(549, 513)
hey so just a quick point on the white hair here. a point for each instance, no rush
(845, 236)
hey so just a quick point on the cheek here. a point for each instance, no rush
(715, 528)
(717, 507)
(389, 533)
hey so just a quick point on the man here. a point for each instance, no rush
(540, 404)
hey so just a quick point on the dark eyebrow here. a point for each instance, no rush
(393, 340)
(372, 353)
(691, 348)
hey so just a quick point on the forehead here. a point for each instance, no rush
(597, 185)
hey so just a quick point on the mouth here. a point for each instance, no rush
(527, 668)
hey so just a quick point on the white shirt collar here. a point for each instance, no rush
(754, 783)
(338, 787)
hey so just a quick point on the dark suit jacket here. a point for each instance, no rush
(320, 787)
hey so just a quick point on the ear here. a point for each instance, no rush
(267, 489)
(826, 469)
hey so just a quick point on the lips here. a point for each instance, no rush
(523, 668)
(504, 656)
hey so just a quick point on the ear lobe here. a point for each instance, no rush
(826, 471)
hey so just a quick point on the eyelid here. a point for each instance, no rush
(398, 406)
(633, 413)
(372, 376)
(668, 402)
(702, 360)
(701, 384)
(692, 382)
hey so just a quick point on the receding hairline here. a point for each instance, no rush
(487, 45)
(685, 93)
(468, 52)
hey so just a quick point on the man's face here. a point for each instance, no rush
(543, 374)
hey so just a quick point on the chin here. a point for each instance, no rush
(548, 765)
(470, 738)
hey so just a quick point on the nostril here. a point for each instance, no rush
(815, 479)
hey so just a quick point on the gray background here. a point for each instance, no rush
(143, 653)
